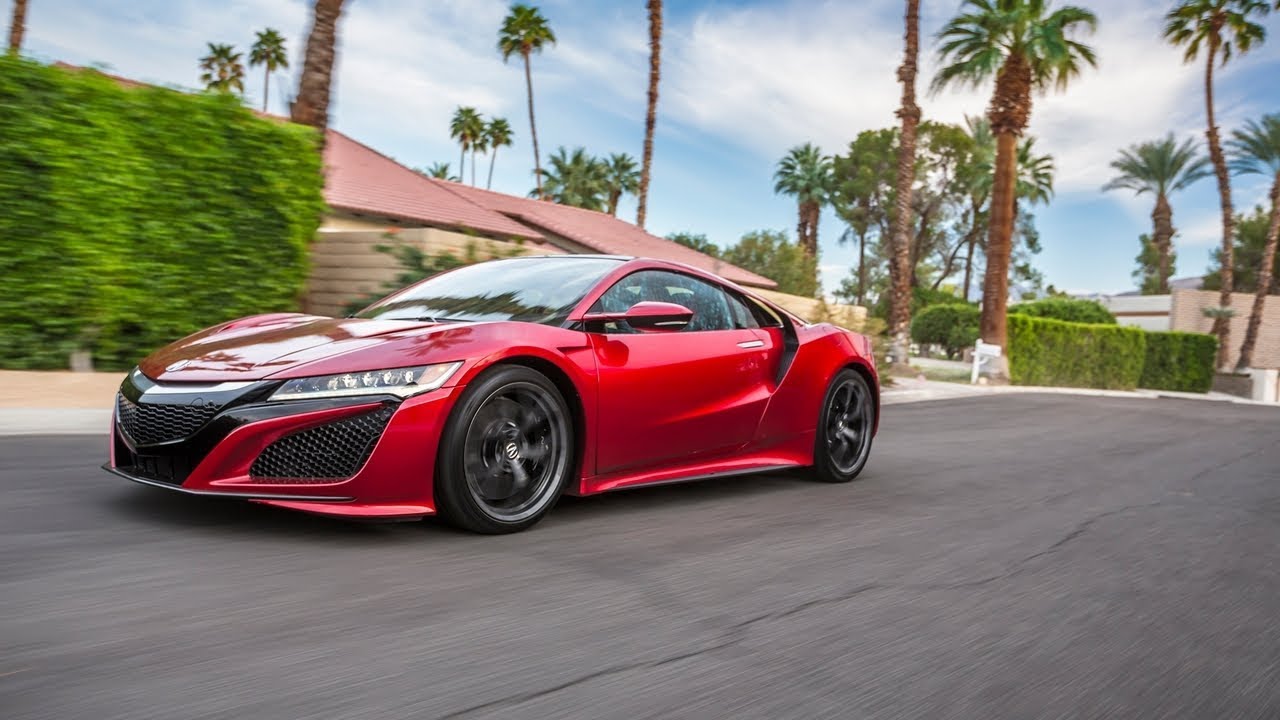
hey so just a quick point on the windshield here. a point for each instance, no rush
(536, 290)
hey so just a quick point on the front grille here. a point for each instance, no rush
(328, 452)
(152, 423)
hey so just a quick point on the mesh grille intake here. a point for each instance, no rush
(333, 451)
(150, 423)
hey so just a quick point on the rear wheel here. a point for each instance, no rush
(506, 452)
(845, 425)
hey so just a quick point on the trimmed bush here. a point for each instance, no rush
(1044, 351)
(1066, 309)
(133, 216)
(953, 326)
(1179, 361)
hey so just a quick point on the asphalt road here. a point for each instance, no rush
(1023, 556)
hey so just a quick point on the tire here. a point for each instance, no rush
(844, 434)
(506, 453)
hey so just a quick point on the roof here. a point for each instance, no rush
(1194, 282)
(362, 180)
(600, 232)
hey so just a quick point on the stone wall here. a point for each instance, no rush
(1187, 315)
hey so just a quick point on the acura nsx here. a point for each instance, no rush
(484, 393)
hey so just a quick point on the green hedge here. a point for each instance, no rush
(954, 326)
(1043, 351)
(131, 217)
(1179, 361)
(1066, 309)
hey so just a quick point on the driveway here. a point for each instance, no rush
(1014, 556)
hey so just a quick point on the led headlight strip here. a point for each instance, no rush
(401, 382)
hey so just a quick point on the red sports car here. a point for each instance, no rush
(483, 393)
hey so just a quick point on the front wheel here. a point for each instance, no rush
(506, 452)
(845, 426)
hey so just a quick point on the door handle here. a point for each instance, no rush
(751, 344)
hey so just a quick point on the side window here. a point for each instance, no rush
(712, 309)
(742, 317)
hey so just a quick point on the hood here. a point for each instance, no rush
(263, 346)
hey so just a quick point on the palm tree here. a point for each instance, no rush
(496, 134)
(575, 179)
(1221, 27)
(650, 118)
(805, 173)
(221, 69)
(312, 104)
(1161, 168)
(900, 247)
(525, 31)
(439, 170)
(1256, 149)
(621, 177)
(268, 50)
(1024, 47)
(467, 127)
(18, 26)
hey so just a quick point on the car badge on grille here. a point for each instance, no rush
(177, 366)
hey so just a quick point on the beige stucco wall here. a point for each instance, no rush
(1187, 315)
(345, 264)
(813, 310)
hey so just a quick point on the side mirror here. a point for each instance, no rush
(648, 316)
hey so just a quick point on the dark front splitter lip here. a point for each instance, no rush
(218, 493)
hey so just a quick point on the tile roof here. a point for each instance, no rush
(360, 179)
(601, 232)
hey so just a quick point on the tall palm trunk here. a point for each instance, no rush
(533, 127)
(995, 284)
(1009, 114)
(1264, 281)
(815, 213)
(18, 27)
(266, 86)
(312, 105)
(493, 156)
(650, 118)
(462, 164)
(473, 167)
(1162, 238)
(802, 226)
(900, 268)
(1221, 323)
(614, 197)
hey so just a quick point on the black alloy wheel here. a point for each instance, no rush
(845, 428)
(506, 452)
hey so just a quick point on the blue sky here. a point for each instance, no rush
(743, 81)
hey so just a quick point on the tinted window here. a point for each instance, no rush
(710, 305)
(742, 317)
(536, 290)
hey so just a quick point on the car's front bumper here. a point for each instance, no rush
(392, 477)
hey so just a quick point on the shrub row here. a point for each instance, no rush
(134, 216)
(954, 326)
(1043, 351)
(1179, 361)
(1068, 309)
(1053, 352)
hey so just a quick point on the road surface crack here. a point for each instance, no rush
(729, 637)
(1021, 565)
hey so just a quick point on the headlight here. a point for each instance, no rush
(402, 382)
